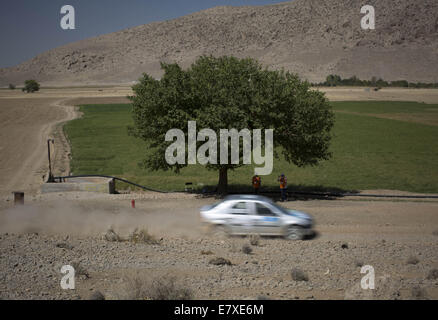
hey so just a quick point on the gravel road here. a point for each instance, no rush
(399, 239)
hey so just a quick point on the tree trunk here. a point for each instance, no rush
(223, 181)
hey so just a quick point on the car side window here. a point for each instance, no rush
(240, 205)
(240, 208)
(262, 210)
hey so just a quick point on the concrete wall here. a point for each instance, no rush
(83, 184)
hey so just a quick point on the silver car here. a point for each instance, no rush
(251, 214)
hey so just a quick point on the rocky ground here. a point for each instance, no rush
(399, 239)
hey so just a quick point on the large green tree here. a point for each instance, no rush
(31, 86)
(227, 93)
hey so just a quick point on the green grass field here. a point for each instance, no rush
(368, 152)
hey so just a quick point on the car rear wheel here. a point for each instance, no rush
(294, 233)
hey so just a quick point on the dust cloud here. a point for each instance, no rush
(69, 218)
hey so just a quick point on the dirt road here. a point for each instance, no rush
(398, 239)
(27, 121)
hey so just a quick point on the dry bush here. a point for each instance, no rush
(137, 236)
(160, 288)
(412, 260)
(80, 270)
(418, 293)
(246, 249)
(206, 253)
(97, 295)
(142, 236)
(433, 274)
(254, 239)
(359, 263)
(299, 275)
(112, 236)
(220, 261)
(166, 288)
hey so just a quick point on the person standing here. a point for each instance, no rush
(256, 183)
(283, 186)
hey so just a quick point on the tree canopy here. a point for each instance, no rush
(231, 93)
(31, 86)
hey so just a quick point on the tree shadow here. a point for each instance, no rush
(294, 192)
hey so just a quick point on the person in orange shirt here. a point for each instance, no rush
(256, 183)
(283, 186)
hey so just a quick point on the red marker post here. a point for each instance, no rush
(133, 203)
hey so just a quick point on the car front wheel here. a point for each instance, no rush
(294, 233)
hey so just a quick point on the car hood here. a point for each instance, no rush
(298, 214)
(208, 207)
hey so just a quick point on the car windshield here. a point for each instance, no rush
(280, 208)
(215, 204)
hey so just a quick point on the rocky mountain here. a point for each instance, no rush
(313, 38)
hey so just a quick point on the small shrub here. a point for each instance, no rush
(167, 289)
(412, 260)
(433, 274)
(112, 236)
(344, 246)
(247, 249)
(11, 86)
(97, 295)
(299, 275)
(160, 288)
(254, 239)
(135, 289)
(206, 253)
(418, 293)
(80, 270)
(220, 261)
(64, 245)
(142, 236)
(359, 263)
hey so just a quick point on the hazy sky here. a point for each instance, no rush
(30, 27)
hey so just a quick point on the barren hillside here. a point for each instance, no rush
(310, 37)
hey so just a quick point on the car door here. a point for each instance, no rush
(240, 221)
(267, 222)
